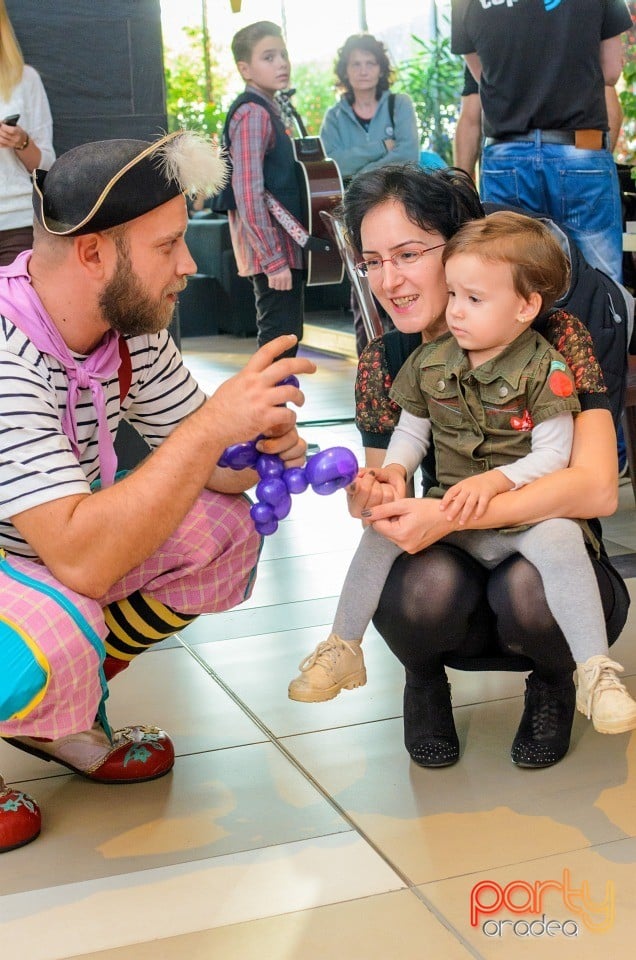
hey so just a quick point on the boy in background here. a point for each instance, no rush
(264, 167)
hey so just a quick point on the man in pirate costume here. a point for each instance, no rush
(93, 571)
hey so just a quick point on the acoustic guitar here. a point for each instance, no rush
(321, 188)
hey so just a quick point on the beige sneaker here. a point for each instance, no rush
(602, 697)
(334, 665)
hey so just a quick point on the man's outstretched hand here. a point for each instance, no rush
(253, 402)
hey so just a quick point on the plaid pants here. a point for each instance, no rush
(52, 639)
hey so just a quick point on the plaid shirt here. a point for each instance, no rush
(260, 244)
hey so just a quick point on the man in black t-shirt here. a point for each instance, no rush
(543, 66)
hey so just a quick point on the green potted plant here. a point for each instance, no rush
(626, 152)
(433, 78)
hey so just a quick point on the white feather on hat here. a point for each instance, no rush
(194, 162)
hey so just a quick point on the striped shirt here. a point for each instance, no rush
(260, 244)
(37, 464)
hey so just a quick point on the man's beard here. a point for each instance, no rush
(127, 306)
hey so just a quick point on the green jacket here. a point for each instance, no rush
(479, 417)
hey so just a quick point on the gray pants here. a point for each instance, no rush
(555, 547)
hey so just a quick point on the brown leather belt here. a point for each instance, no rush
(583, 139)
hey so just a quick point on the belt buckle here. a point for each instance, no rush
(588, 139)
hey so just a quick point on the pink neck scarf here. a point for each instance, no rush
(20, 303)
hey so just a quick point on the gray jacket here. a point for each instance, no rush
(354, 149)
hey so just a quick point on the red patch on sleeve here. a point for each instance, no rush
(560, 384)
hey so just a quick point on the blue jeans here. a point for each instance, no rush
(577, 188)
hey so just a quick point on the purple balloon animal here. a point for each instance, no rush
(325, 472)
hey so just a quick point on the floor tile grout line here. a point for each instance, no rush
(275, 741)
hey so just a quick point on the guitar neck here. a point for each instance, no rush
(289, 113)
(298, 122)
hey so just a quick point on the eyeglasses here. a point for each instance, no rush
(401, 261)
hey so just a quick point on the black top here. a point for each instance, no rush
(540, 60)
(364, 122)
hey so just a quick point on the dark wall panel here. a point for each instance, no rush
(101, 64)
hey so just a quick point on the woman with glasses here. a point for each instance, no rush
(438, 602)
(369, 127)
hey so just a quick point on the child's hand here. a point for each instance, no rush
(469, 498)
(389, 484)
(393, 478)
(377, 487)
(374, 486)
(281, 280)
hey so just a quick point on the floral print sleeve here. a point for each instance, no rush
(376, 413)
(572, 339)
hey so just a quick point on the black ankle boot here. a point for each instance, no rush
(429, 729)
(543, 737)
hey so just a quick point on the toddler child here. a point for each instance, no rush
(497, 401)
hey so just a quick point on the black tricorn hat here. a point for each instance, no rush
(99, 185)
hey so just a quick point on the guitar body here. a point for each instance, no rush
(321, 189)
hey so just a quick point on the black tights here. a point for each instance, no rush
(442, 602)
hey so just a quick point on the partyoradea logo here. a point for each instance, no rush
(490, 902)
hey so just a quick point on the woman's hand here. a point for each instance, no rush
(11, 137)
(412, 524)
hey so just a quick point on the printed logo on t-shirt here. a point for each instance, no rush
(486, 4)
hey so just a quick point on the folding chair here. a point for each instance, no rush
(370, 316)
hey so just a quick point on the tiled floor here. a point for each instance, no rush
(291, 831)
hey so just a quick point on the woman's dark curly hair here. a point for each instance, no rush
(369, 44)
(435, 200)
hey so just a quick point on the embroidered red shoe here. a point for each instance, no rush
(136, 754)
(20, 819)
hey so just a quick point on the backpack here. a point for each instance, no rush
(607, 310)
(604, 306)
(391, 105)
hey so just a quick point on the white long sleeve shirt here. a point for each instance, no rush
(551, 447)
(28, 98)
